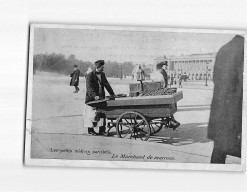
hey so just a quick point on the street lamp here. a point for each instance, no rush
(121, 72)
(206, 84)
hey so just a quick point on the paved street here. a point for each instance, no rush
(57, 130)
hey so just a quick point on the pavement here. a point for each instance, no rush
(58, 133)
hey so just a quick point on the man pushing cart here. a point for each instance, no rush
(133, 117)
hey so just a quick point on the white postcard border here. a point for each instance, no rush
(129, 164)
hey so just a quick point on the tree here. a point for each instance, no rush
(127, 68)
(60, 64)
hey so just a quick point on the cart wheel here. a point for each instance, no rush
(133, 125)
(156, 125)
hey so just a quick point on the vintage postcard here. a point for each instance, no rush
(136, 97)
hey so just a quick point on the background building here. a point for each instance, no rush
(195, 66)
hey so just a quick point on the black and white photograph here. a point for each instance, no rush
(123, 96)
(112, 96)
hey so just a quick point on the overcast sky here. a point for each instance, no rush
(121, 46)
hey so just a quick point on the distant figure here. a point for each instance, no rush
(225, 123)
(159, 68)
(75, 78)
(89, 69)
(171, 82)
(138, 73)
(180, 81)
(185, 77)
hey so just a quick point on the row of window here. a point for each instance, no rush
(190, 65)
(191, 61)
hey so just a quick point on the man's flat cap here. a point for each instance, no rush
(161, 64)
(99, 63)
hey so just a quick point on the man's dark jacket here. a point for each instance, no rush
(225, 123)
(92, 83)
(165, 77)
(75, 78)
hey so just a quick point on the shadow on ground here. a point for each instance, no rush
(183, 135)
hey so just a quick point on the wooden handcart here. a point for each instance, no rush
(139, 117)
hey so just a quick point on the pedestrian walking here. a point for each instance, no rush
(75, 78)
(180, 81)
(138, 73)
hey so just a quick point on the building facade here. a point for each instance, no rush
(195, 66)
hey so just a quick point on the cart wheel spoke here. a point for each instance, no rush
(127, 121)
(156, 125)
(141, 134)
(130, 119)
(139, 123)
(137, 126)
(141, 131)
(123, 124)
(125, 133)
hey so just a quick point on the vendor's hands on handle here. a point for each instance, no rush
(96, 97)
(112, 97)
